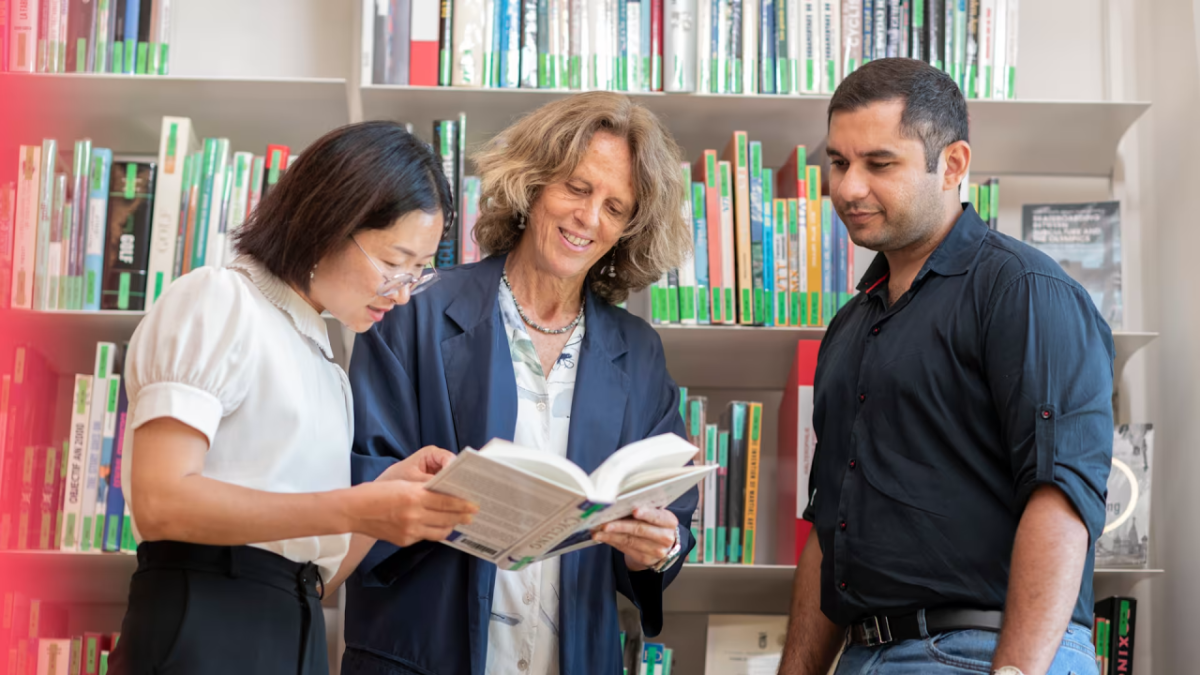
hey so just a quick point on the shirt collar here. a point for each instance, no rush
(952, 257)
(304, 318)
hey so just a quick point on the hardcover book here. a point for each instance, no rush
(1086, 240)
(1126, 538)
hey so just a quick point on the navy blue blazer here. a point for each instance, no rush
(438, 371)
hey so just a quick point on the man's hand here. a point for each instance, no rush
(1047, 568)
(812, 639)
(645, 538)
(420, 466)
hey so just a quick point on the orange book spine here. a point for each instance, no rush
(737, 154)
(814, 246)
(705, 171)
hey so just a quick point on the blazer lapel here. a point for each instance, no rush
(478, 366)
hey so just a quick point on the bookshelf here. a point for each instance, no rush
(297, 80)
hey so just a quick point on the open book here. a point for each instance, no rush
(535, 505)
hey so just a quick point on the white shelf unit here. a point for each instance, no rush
(298, 79)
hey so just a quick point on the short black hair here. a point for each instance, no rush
(361, 176)
(935, 111)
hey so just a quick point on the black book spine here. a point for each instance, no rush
(445, 143)
(127, 245)
(736, 491)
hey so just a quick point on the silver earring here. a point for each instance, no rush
(611, 268)
(520, 221)
(312, 274)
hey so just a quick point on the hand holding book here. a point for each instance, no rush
(646, 537)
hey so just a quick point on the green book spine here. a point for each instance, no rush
(208, 169)
(710, 528)
(793, 223)
(722, 495)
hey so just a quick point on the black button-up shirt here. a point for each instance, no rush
(938, 416)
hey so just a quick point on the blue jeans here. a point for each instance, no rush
(963, 652)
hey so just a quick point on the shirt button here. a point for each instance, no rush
(541, 406)
(528, 599)
(875, 330)
(842, 585)
(522, 665)
(853, 464)
(842, 525)
(862, 398)
(1045, 414)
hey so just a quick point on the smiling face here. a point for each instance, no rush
(878, 179)
(345, 282)
(577, 221)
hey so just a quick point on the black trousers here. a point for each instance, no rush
(220, 610)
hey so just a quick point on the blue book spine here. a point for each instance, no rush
(96, 236)
(622, 60)
(497, 31)
(645, 84)
(766, 50)
(843, 264)
(132, 8)
(768, 227)
(114, 519)
(700, 241)
(868, 24)
(827, 289)
(510, 44)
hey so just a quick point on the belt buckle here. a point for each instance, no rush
(876, 632)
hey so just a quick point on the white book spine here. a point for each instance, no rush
(805, 22)
(831, 40)
(467, 67)
(750, 14)
(987, 48)
(215, 246)
(679, 46)
(240, 197)
(366, 65)
(728, 271)
(41, 277)
(53, 656)
(723, 58)
(22, 56)
(562, 52)
(704, 55)
(91, 470)
(816, 45)
(782, 281)
(81, 405)
(25, 226)
(579, 47)
(1010, 49)
(999, 49)
(599, 39)
(54, 15)
(687, 271)
(633, 37)
(103, 479)
(175, 142)
(490, 56)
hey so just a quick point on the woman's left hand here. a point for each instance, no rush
(645, 538)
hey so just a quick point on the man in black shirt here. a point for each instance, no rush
(963, 416)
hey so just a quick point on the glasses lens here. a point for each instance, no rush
(413, 284)
(428, 276)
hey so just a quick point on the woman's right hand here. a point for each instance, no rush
(403, 512)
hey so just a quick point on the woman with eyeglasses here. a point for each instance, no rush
(236, 460)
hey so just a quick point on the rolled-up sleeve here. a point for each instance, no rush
(1048, 356)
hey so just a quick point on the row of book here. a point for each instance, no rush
(769, 250)
(654, 658)
(35, 640)
(1113, 631)
(91, 230)
(724, 524)
(985, 197)
(715, 46)
(85, 36)
(63, 494)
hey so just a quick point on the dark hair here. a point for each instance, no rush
(360, 177)
(935, 111)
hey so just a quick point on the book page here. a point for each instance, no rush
(512, 503)
(665, 451)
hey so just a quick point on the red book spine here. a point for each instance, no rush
(656, 45)
(792, 530)
(789, 180)
(423, 47)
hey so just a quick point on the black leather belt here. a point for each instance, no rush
(881, 630)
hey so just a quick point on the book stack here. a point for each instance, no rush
(710, 46)
(985, 197)
(654, 659)
(35, 639)
(63, 495)
(86, 36)
(769, 249)
(1113, 632)
(724, 524)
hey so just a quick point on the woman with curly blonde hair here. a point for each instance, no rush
(580, 205)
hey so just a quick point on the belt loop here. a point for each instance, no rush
(233, 553)
(924, 628)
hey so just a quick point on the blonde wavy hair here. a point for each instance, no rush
(546, 145)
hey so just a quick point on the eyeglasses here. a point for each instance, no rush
(394, 284)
